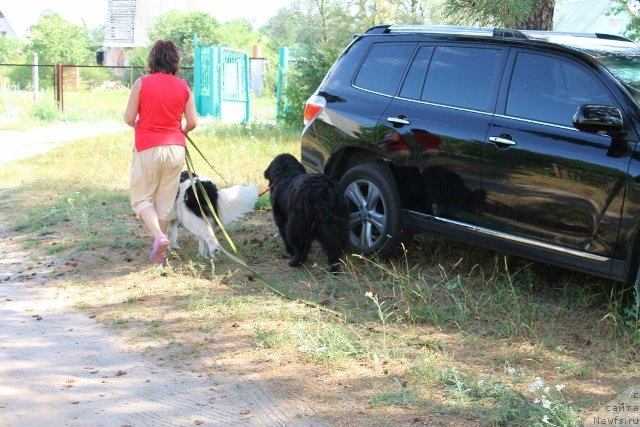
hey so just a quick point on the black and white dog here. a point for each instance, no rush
(307, 207)
(230, 204)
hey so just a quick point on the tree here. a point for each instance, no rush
(180, 28)
(632, 31)
(334, 23)
(56, 40)
(10, 49)
(239, 34)
(518, 14)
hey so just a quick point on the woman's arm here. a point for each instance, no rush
(131, 113)
(190, 114)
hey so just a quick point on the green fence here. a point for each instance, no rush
(221, 83)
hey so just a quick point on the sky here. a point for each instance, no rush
(21, 14)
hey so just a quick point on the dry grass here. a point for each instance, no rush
(445, 335)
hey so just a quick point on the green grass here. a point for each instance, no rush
(20, 111)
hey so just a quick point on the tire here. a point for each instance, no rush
(375, 211)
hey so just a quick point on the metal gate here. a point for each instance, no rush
(221, 83)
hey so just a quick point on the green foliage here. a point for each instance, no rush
(334, 22)
(632, 31)
(56, 40)
(489, 13)
(10, 49)
(10, 52)
(180, 28)
(239, 34)
(335, 27)
(46, 111)
(303, 79)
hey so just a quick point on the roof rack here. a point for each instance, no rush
(485, 31)
(457, 30)
(540, 34)
(440, 29)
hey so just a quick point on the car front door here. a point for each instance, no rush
(545, 182)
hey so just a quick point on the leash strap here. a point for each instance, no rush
(190, 169)
(205, 159)
(235, 256)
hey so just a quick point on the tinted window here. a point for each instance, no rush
(549, 89)
(382, 69)
(413, 83)
(462, 77)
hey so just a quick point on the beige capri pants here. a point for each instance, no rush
(155, 177)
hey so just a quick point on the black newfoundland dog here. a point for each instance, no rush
(307, 207)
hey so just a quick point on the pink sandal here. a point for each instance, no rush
(159, 248)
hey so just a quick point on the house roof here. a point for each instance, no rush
(5, 27)
(586, 16)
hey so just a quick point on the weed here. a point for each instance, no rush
(383, 315)
(270, 338)
(571, 368)
(331, 343)
(400, 394)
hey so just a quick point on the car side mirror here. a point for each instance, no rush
(603, 119)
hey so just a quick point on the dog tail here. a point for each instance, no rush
(236, 201)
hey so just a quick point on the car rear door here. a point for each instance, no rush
(434, 129)
(544, 182)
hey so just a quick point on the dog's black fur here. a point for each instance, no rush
(307, 207)
(190, 200)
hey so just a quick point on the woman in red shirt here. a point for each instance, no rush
(156, 106)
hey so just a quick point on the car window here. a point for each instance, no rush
(549, 89)
(383, 67)
(462, 77)
(414, 82)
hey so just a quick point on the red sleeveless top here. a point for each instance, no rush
(162, 101)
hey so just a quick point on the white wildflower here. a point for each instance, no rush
(511, 371)
(559, 387)
(536, 401)
(545, 403)
(545, 419)
(546, 390)
(536, 385)
(368, 294)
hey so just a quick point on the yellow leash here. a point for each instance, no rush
(235, 256)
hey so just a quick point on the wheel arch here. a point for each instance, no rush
(346, 158)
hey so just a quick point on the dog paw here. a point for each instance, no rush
(335, 268)
(208, 252)
(295, 262)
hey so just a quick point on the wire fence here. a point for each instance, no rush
(60, 79)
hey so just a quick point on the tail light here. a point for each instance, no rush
(313, 107)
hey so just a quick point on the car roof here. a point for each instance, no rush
(593, 44)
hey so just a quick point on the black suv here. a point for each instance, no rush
(521, 141)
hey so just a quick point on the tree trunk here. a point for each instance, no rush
(541, 17)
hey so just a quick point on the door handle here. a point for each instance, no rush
(400, 120)
(501, 141)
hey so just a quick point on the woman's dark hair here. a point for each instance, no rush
(164, 58)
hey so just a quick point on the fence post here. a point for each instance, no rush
(59, 90)
(34, 77)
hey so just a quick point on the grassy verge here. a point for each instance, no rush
(446, 334)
